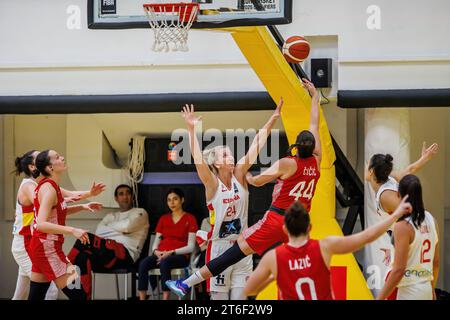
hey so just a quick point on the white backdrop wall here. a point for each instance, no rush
(39, 53)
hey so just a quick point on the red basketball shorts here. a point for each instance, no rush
(48, 258)
(266, 232)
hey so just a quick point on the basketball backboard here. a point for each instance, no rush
(128, 14)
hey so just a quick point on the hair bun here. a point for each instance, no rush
(18, 165)
(388, 158)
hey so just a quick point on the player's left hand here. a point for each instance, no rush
(308, 85)
(92, 206)
(72, 199)
(387, 256)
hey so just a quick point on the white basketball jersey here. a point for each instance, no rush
(419, 267)
(228, 211)
(23, 219)
(390, 184)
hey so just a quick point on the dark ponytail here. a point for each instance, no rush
(305, 144)
(382, 166)
(410, 185)
(296, 219)
(22, 164)
(42, 161)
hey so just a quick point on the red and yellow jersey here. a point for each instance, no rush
(24, 214)
(302, 273)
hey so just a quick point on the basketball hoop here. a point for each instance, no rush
(171, 23)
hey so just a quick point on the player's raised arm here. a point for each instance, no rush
(204, 173)
(258, 143)
(427, 154)
(264, 273)
(277, 170)
(95, 190)
(314, 118)
(342, 245)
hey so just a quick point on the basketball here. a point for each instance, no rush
(296, 49)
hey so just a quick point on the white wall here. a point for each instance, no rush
(40, 55)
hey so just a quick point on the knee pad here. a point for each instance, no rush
(226, 259)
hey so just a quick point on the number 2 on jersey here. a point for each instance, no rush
(299, 190)
(426, 246)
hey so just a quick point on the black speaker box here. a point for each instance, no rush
(321, 72)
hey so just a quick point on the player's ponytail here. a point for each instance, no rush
(22, 164)
(410, 185)
(382, 165)
(305, 145)
(297, 220)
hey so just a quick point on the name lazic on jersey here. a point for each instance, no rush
(300, 264)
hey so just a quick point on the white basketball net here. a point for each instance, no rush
(171, 23)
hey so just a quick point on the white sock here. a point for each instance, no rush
(196, 278)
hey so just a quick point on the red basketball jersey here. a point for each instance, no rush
(298, 187)
(302, 273)
(57, 215)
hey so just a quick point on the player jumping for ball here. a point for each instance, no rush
(297, 178)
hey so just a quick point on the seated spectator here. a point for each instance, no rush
(174, 242)
(117, 242)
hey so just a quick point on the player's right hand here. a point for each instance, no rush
(277, 112)
(81, 235)
(189, 116)
(429, 152)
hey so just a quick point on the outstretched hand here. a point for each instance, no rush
(430, 151)
(403, 208)
(92, 206)
(277, 112)
(189, 116)
(308, 85)
(72, 199)
(97, 188)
